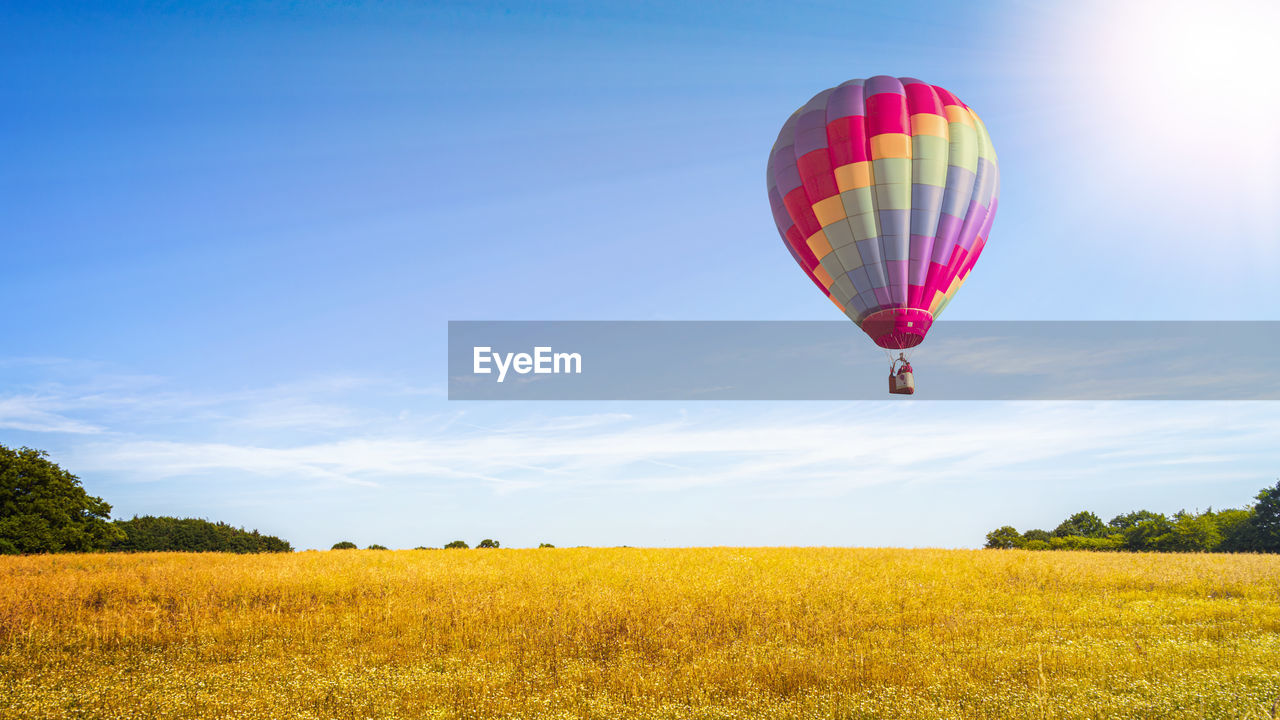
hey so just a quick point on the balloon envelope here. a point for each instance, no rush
(884, 191)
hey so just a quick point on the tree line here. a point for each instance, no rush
(1251, 529)
(45, 509)
(484, 544)
(157, 534)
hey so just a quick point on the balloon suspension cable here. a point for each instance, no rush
(897, 356)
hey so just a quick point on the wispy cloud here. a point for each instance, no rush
(66, 396)
(833, 450)
(379, 433)
(41, 413)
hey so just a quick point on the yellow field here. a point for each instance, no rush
(622, 633)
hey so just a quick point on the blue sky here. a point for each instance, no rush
(233, 236)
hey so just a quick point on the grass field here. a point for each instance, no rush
(631, 633)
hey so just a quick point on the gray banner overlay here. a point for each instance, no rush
(636, 360)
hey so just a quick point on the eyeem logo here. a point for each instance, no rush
(542, 362)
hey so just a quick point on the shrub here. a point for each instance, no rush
(344, 545)
(457, 545)
(487, 543)
(376, 546)
(1077, 542)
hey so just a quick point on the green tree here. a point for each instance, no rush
(545, 545)
(1263, 532)
(1082, 524)
(1129, 519)
(457, 545)
(376, 546)
(1004, 538)
(170, 534)
(1195, 533)
(344, 545)
(43, 508)
(1233, 526)
(487, 543)
(1149, 535)
(1037, 534)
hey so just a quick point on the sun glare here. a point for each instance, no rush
(1195, 67)
(1219, 53)
(1182, 99)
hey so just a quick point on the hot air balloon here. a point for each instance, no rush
(884, 191)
